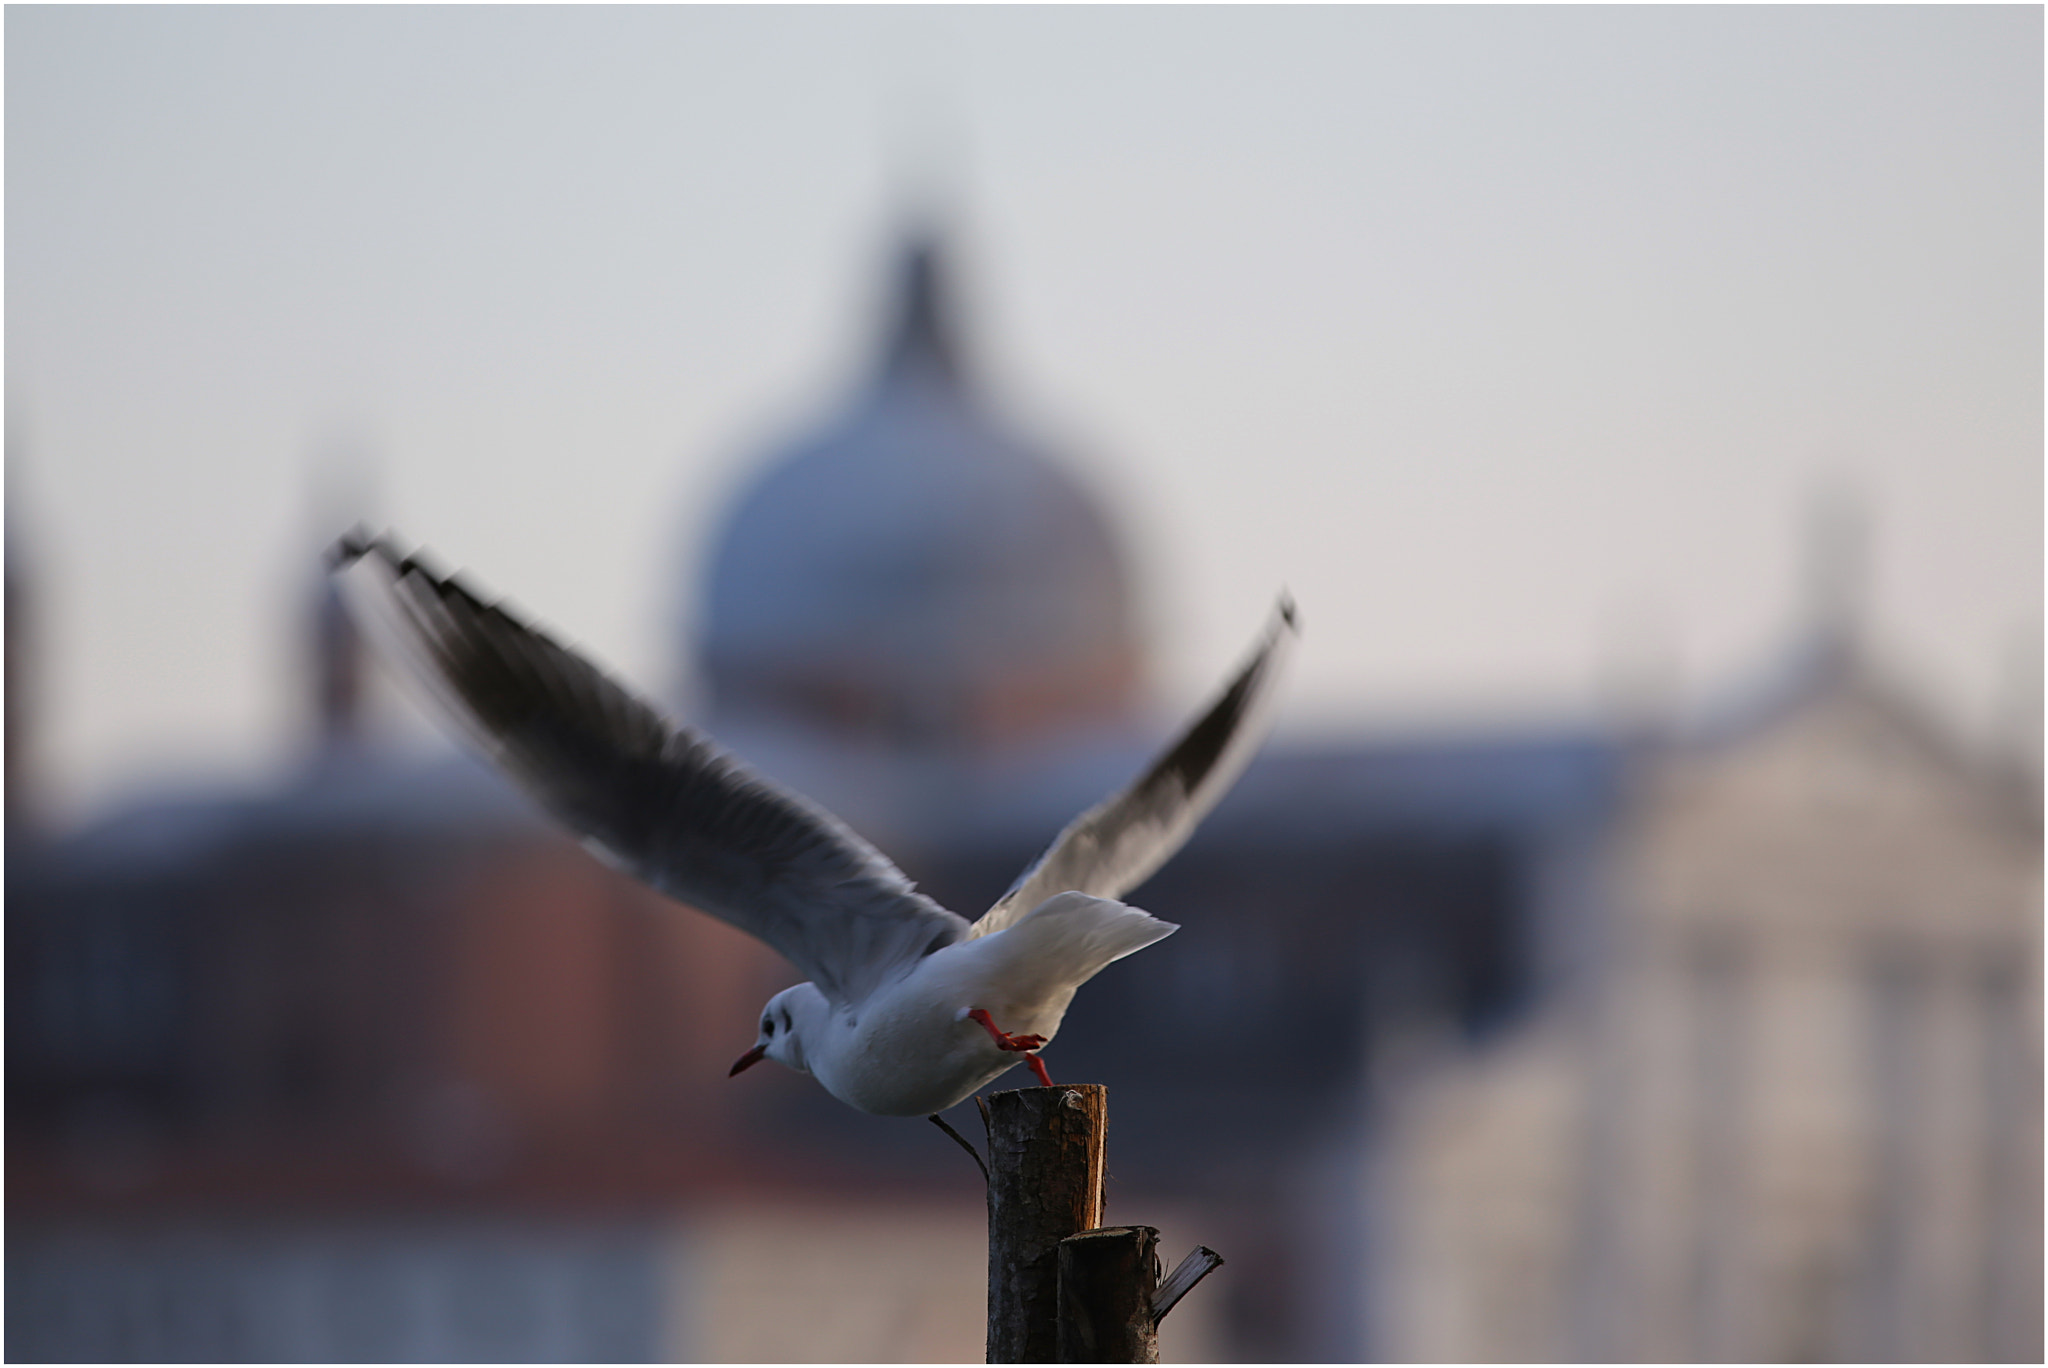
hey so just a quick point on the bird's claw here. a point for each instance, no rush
(1022, 1044)
(1004, 1040)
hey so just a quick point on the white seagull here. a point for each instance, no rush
(909, 1008)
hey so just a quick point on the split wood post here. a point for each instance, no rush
(1111, 1295)
(1107, 1281)
(1045, 1153)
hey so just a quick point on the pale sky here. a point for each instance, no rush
(1505, 338)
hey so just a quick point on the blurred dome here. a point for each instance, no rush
(916, 575)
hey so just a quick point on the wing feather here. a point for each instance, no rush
(657, 798)
(1119, 843)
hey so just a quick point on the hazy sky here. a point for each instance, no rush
(1505, 338)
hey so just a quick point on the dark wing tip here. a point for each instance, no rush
(1201, 748)
(419, 561)
(359, 541)
(351, 546)
(419, 567)
(460, 582)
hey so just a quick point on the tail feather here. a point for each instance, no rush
(1071, 937)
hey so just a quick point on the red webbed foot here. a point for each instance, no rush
(1022, 1044)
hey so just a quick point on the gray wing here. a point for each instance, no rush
(652, 796)
(1117, 844)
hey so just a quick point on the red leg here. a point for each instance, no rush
(1004, 1040)
(1024, 1044)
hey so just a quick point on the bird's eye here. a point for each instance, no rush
(767, 1025)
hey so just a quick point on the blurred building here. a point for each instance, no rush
(917, 577)
(1794, 1111)
(374, 1064)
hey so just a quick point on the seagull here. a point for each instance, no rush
(908, 1008)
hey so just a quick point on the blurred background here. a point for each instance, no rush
(1628, 948)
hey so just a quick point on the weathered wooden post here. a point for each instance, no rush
(1045, 1155)
(1061, 1289)
(1111, 1297)
(1107, 1278)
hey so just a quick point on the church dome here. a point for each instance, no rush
(915, 574)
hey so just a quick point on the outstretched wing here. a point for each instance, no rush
(1118, 843)
(652, 796)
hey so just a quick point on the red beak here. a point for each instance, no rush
(749, 1060)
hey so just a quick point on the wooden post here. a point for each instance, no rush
(1045, 1149)
(1107, 1281)
(1111, 1296)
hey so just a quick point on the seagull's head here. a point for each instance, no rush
(782, 1028)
